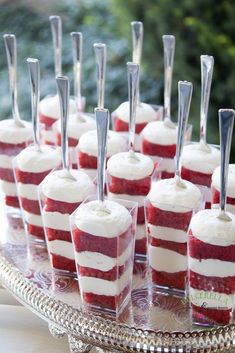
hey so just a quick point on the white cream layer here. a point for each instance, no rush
(29, 191)
(168, 165)
(211, 299)
(50, 106)
(229, 207)
(91, 219)
(78, 124)
(33, 219)
(10, 132)
(166, 233)
(160, 133)
(166, 260)
(144, 113)
(48, 136)
(102, 262)
(115, 143)
(103, 287)
(33, 160)
(61, 248)
(56, 220)
(141, 231)
(212, 267)
(207, 227)
(8, 188)
(126, 166)
(199, 159)
(134, 198)
(168, 195)
(58, 186)
(6, 161)
(231, 180)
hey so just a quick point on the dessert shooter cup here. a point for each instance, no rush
(104, 252)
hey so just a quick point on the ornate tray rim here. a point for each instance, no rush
(95, 330)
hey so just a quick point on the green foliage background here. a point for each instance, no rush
(200, 27)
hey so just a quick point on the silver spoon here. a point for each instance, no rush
(10, 45)
(137, 40)
(77, 44)
(34, 75)
(56, 29)
(63, 92)
(226, 122)
(133, 79)
(185, 90)
(100, 53)
(207, 65)
(169, 52)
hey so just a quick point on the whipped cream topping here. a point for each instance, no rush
(212, 267)
(115, 143)
(160, 133)
(10, 132)
(50, 106)
(78, 124)
(33, 160)
(134, 198)
(61, 248)
(168, 234)
(104, 287)
(56, 220)
(231, 180)
(207, 227)
(6, 161)
(169, 195)
(93, 219)
(211, 299)
(8, 188)
(58, 186)
(144, 113)
(159, 260)
(29, 191)
(127, 165)
(200, 158)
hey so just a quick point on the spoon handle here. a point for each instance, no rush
(34, 76)
(10, 45)
(226, 121)
(77, 45)
(102, 124)
(133, 79)
(137, 40)
(56, 29)
(100, 53)
(207, 65)
(185, 90)
(63, 92)
(169, 52)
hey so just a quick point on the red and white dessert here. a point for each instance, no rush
(198, 164)
(103, 237)
(144, 114)
(78, 124)
(49, 113)
(215, 187)
(169, 208)
(88, 150)
(130, 179)
(31, 167)
(61, 196)
(13, 139)
(212, 267)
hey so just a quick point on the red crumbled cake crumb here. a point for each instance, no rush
(31, 206)
(176, 220)
(216, 197)
(176, 280)
(152, 149)
(12, 149)
(130, 187)
(218, 316)
(140, 215)
(57, 234)
(72, 142)
(110, 275)
(62, 263)
(196, 177)
(30, 178)
(48, 121)
(120, 125)
(60, 206)
(12, 201)
(7, 175)
(141, 246)
(167, 175)
(36, 231)
(210, 283)
(180, 248)
(87, 161)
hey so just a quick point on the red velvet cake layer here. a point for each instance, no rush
(111, 275)
(36, 231)
(141, 246)
(71, 141)
(56, 234)
(176, 280)
(180, 248)
(46, 120)
(30, 178)
(214, 316)
(31, 206)
(12, 201)
(140, 215)
(152, 149)
(166, 175)
(12, 149)
(130, 187)
(216, 284)
(7, 175)
(120, 125)
(60, 206)
(169, 219)
(196, 177)
(216, 197)
(62, 263)
(87, 161)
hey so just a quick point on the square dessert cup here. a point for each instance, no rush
(105, 264)
(167, 230)
(123, 127)
(201, 180)
(135, 191)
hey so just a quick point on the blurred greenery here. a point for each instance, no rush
(200, 27)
